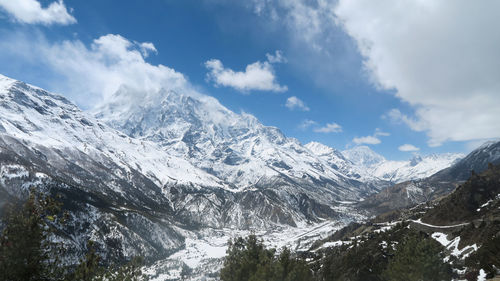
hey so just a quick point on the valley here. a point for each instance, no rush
(174, 180)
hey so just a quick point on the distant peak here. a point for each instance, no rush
(416, 159)
(319, 148)
(363, 155)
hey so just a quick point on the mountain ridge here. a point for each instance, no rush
(149, 193)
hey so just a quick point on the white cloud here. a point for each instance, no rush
(258, 76)
(146, 48)
(441, 57)
(305, 124)
(408, 147)
(374, 139)
(32, 12)
(379, 132)
(92, 74)
(293, 103)
(307, 20)
(366, 140)
(397, 117)
(276, 58)
(329, 128)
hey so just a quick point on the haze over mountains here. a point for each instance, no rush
(144, 178)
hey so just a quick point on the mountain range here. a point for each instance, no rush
(143, 176)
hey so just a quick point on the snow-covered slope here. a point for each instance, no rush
(363, 156)
(195, 165)
(40, 118)
(170, 166)
(416, 191)
(234, 147)
(418, 167)
(338, 161)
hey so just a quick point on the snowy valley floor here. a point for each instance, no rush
(203, 254)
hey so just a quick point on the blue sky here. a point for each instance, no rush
(367, 92)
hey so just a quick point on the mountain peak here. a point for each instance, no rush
(319, 148)
(6, 82)
(415, 160)
(363, 155)
(235, 147)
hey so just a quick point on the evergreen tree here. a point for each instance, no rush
(89, 268)
(249, 260)
(417, 259)
(27, 252)
(487, 257)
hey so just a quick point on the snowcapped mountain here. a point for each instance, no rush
(338, 161)
(477, 161)
(418, 167)
(148, 171)
(363, 156)
(412, 192)
(42, 119)
(201, 167)
(235, 148)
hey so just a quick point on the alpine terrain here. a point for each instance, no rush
(173, 177)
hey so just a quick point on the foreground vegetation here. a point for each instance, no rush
(29, 250)
(414, 258)
(249, 260)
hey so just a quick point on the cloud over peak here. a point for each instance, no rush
(366, 140)
(91, 74)
(32, 12)
(408, 148)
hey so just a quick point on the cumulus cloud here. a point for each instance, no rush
(329, 128)
(91, 74)
(258, 76)
(439, 56)
(32, 12)
(294, 103)
(408, 148)
(366, 140)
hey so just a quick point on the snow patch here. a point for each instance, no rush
(482, 275)
(452, 245)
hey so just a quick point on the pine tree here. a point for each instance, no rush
(417, 259)
(26, 252)
(249, 260)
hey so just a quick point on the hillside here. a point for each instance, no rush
(410, 193)
(462, 229)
